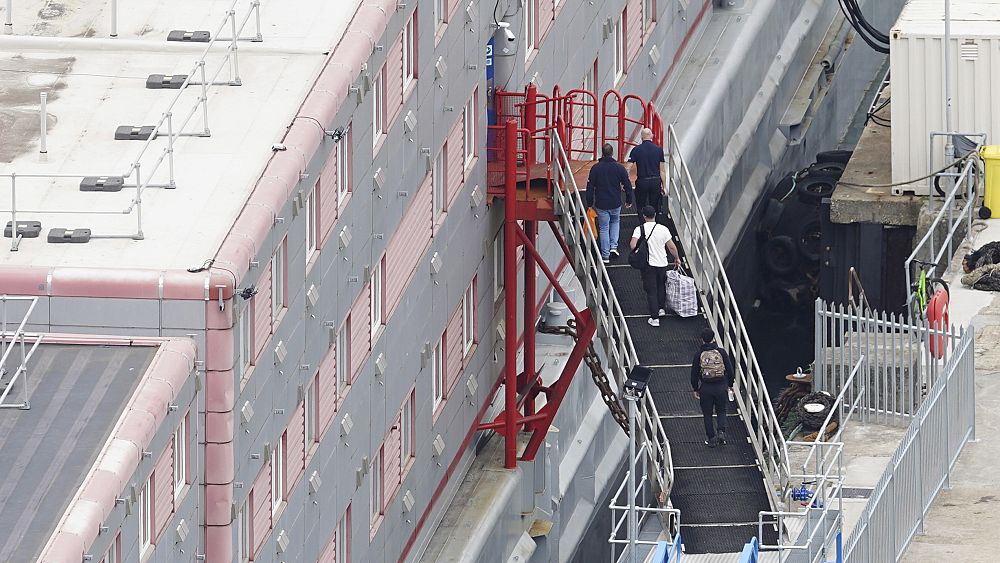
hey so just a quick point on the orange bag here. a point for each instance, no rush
(592, 220)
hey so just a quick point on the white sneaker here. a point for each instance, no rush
(653, 322)
(663, 313)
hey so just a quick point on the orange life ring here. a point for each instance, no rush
(937, 320)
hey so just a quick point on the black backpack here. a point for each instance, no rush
(639, 257)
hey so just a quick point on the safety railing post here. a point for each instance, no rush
(234, 61)
(8, 22)
(43, 125)
(204, 97)
(15, 240)
(255, 6)
(170, 149)
(138, 201)
(114, 18)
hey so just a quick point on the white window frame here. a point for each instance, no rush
(343, 178)
(406, 433)
(244, 340)
(437, 372)
(530, 20)
(145, 503)
(409, 51)
(376, 297)
(343, 359)
(648, 14)
(375, 486)
(469, 129)
(278, 475)
(243, 534)
(619, 46)
(180, 456)
(498, 262)
(468, 319)
(309, 417)
(343, 537)
(589, 84)
(311, 212)
(278, 280)
(113, 555)
(440, 13)
(378, 107)
(439, 182)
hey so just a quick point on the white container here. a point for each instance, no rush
(917, 82)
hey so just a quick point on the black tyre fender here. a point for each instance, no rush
(830, 169)
(834, 156)
(770, 216)
(814, 188)
(985, 212)
(781, 255)
(810, 241)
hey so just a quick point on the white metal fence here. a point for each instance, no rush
(16, 349)
(922, 464)
(903, 360)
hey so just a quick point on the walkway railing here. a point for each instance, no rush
(722, 311)
(611, 326)
(903, 360)
(646, 508)
(922, 464)
(14, 370)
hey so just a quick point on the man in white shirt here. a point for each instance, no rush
(654, 278)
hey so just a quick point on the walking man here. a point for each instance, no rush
(659, 241)
(604, 193)
(648, 157)
(712, 379)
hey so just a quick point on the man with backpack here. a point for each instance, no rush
(650, 244)
(712, 379)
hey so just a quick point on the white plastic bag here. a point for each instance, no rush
(682, 295)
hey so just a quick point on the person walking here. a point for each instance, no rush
(648, 156)
(604, 193)
(712, 379)
(659, 241)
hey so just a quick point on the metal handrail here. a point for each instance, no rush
(610, 318)
(18, 339)
(724, 315)
(619, 508)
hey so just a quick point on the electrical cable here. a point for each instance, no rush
(881, 37)
(861, 25)
(893, 185)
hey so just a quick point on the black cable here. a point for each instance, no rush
(881, 37)
(852, 17)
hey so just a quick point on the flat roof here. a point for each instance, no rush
(77, 394)
(95, 84)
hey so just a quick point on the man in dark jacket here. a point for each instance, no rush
(604, 193)
(648, 157)
(712, 379)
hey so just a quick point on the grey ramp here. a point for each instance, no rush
(77, 395)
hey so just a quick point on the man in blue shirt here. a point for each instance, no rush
(604, 193)
(647, 157)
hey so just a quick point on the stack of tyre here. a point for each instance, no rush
(789, 235)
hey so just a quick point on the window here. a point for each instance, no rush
(410, 51)
(243, 533)
(620, 48)
(530, 17)
(309, 407)
(243, 340)
(278, 264)
(438, 181)
(278, 475)
(440, 15)
(114, 554)
(376, 296)
(375, 486)
(589, 84)
(343, 537)
(343, 356)
(469, 128)
(406, 433)
(311, 213)
(469, 318)
(378, 107)
(145, 502)
(498, 265)
(437, 372)
(648, 14)
(180, 456)
(343, 176)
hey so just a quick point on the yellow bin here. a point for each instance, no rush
(991, 156)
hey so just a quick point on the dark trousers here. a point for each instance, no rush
(647, 192)
(714, 397)
(654, 281)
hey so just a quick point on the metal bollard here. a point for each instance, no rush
(42, 123)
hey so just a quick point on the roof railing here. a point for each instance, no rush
(16, 340)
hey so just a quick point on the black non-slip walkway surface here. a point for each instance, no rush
(719, 491)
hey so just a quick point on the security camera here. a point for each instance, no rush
(507, 32)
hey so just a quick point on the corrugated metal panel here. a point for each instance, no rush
(546, 10)
(327, 388)
(394, 81)
(453, 352)
(633, 31)
(295, 447)
(390, 461)
(163, 483)
(360, 331)
(261, 508)
(455, 162)
(262, 311)
(408, 245)
(328, 194)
